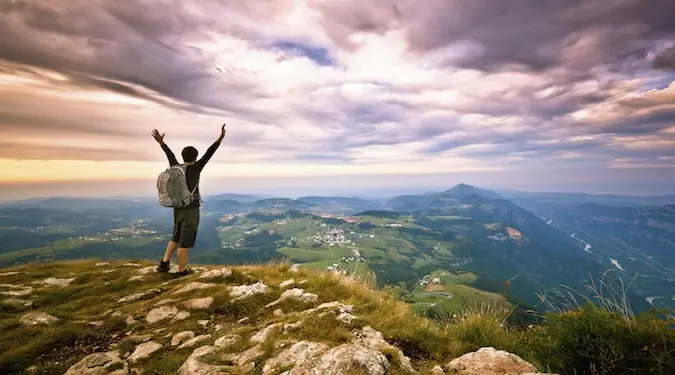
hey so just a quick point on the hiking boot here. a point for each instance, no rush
(185, 272)
(163, 267)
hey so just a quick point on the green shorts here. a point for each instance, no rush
(185, 225)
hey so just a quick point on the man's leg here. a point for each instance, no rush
(188, 236)
(170, 248)
(172, 245)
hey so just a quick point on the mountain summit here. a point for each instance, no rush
(464, 190)
(125, 318)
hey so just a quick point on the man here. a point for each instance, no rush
(186, 219)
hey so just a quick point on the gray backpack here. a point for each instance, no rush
(173, 189)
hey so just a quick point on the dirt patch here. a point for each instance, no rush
(434, 288)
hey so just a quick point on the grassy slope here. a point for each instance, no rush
(570, 342)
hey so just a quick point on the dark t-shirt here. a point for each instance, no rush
(192, 171)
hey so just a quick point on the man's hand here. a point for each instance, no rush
(158, 137)
(222, 133)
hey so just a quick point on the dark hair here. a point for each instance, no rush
(189, 154)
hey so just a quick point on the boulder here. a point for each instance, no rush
(193, 365)
(53, 281)
(297, 295)
(102, 264)
(194, 341)
(298, 352)
(138, 295)
(181, 336)
(227, 341)
(37, 318)
(195, 285)
(287, 283)
(212, 274)
(144, 351)
(181, 316)
(266, 332)
(490, 361)
(247, 356)
(344, 359)
(243, 291)
(108, 363)
(161, 313)
(372, 339)
(199, 303)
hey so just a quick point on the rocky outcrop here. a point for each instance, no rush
(37, 318)
(194, 366)
(372, 339)
(144, 351)
(181, 336)
(137, 296)
(489, 361)
(298, 352)
(100, 364)
(244, 291)
(220, 272)
(199, 303)
(53, 281)
(161, 313)
(344, 359)
(195, 285)
(297, 295)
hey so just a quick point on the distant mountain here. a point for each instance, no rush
(464, 190)
(420, 202)
(535, 200)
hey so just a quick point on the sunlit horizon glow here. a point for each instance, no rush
(332, 88)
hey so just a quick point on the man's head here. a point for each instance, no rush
(190, 154)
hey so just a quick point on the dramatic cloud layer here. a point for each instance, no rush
(312, 87)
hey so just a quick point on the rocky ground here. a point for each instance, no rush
(95, 318)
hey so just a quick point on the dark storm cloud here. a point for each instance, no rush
(537, 34)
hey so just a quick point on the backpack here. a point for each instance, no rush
(173, 189)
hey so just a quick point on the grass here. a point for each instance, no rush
(582, 338)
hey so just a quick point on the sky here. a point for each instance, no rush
(339, 95)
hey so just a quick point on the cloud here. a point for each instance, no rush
(347, 85)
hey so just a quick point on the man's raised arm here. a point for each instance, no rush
(212, 149)
(169, 154)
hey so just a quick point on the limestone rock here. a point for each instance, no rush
(19, 290)
(130, 320)
(161, 313)
(227, 341)
(294, 268)
(243, 320)
(53, 281)
(10, 273)
(288, 327)
(199, 303)
(240, 359)
(330, 306)
(181, 336)
(278, 312)
(108, 271)
(136, 278)
(102, 264)
(181, 316)
(265, 334)
(437, 370)
(193, 366)
(203, 322)
(220, 272)
(194, 341)
(138, 295)
(36, 318)
(195, 285)
(372, 339)
(165, 301)
(108, 363)
(16, 302)
(243, 291)
(344, 359)
(346, 317)
(295, 294)
(144, 350)
(287, 283)
(298, 352)
(131, 265)
(147, 270)
(489, 361)
(140, 338)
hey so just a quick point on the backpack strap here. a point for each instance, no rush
(183, 169)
